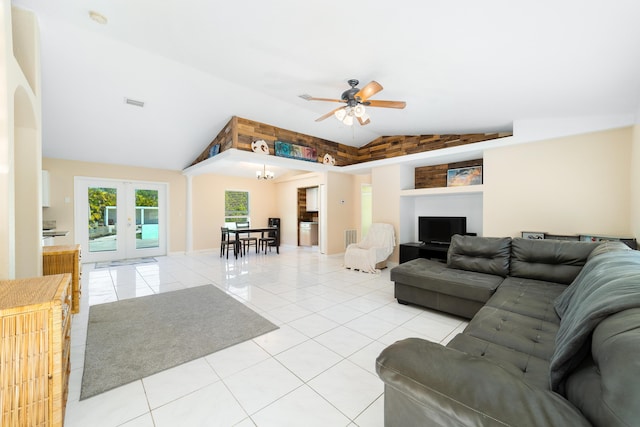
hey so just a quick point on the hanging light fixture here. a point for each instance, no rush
(346, 114)
(359, 110)
(264, 173)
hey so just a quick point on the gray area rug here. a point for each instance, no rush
(121, 262)
(131, 339)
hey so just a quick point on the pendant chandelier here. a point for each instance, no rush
(264, 173)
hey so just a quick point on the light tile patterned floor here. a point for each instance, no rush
(318, 369)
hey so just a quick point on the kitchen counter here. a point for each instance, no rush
(54, 233)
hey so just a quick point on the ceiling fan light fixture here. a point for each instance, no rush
(359, 110)
(98, 17)
(340, 114)
(357, 100)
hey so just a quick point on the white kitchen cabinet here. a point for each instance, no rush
(312, 199)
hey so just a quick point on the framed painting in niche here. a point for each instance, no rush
(464, 176)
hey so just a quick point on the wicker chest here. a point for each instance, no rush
(65, 259)
(35, 323)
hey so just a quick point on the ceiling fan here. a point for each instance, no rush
(356, 100)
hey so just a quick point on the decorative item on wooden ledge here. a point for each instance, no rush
(260, 146)
(293, 151)
(329, 160)
(215, 149)
(464, 176)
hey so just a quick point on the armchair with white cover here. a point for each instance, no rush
(372, 252)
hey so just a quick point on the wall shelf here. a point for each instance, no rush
(442, 191)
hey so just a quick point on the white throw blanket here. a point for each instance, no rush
(374, 248)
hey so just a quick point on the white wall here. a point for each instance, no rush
(572, 185)
(467, 205)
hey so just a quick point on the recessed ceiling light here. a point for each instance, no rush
(98, 17)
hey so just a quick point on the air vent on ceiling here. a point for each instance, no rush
(134, 102)
(305, 96)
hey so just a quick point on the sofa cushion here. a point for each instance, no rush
(514, 331)
(533, 370)
(437, 277)
(488, 255)
(529, 297)
(549, 260)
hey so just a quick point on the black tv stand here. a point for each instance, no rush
(436, 251)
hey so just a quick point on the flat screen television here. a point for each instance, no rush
(439, 229)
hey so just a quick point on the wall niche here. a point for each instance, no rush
(436, 176)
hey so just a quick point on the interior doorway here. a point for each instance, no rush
(120, 219)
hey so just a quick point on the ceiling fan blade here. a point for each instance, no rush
(364, 122)
(329, 114)
(311, 98)
(369, 90)
(386, 104)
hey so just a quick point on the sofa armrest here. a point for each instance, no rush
(455, 387)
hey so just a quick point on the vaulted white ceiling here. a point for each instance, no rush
(461, 66)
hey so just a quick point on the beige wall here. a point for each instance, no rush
(273, 199)
(62, 173)
(571, 185)
(208, 205)
(341, 205)
(267, 199)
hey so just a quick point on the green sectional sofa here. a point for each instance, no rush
(553, 339)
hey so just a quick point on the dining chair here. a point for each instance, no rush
(248, 240)
(226, 241)
(267, 241)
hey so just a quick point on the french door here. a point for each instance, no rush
(120, 219)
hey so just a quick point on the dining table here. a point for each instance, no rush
(238, 231)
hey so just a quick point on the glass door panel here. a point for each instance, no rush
(103, 219)
(147, 219)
